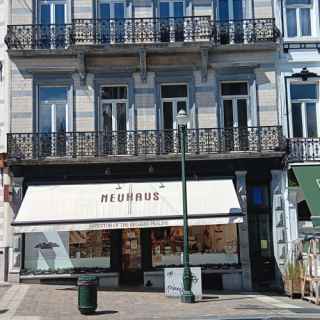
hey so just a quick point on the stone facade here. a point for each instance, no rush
(84, 69)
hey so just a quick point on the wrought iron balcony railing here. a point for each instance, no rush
(304, 149)
(140, 31)
(35, 146)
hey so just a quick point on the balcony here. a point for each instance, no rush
(140, 31)
(304, 149)
(145, 145)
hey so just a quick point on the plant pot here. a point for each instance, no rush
(293, 287)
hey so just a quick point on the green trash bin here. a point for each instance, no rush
(87, 294)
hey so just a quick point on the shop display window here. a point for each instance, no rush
(89, 244)
(216, 244)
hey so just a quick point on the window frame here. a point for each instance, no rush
(231, 10)
(52, 3)
(171, 7)
(313, 8)
(174, 101)
(303, 103)
(112, 8)
(69, 105)
(114, 101)
(235, 98)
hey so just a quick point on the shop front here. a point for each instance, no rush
(304, 192)
(127, 233)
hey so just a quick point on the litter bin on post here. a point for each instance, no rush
(87, 294)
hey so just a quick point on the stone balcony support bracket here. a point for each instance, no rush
(143, 64)
(81, 67)
(204, 64)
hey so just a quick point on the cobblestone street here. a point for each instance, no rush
(37, 302)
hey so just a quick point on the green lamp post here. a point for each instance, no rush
(187, 296)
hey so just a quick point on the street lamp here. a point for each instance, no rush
(187, 296)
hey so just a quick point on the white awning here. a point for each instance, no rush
(126, 205)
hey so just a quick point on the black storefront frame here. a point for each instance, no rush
(96, 173)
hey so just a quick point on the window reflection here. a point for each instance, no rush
(89, 244)
(207, 244)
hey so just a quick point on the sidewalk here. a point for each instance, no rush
(39, 302)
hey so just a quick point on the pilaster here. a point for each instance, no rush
(14, 240)
(244, 231)
(279, 227)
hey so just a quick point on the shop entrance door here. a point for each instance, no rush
(131, 270)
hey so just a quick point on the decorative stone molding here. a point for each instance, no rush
(305, 74)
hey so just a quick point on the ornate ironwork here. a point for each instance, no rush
(304, 149)
(36, 36)
(35, 146)
(305, 74)
(140, 31)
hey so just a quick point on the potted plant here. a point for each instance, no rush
(292, 279)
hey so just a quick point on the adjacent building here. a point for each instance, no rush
(94, 148)
(4, 122)
(298, 83)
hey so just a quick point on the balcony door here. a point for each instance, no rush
(52, 19)
(305, 119)
(230, 15)
(53, 120)
(112, 23)
(114, 105)
(173, 99)
(236, 116)
(171, 15)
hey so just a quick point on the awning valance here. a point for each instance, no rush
(126, 205)
(309, 181)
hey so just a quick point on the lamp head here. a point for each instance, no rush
(182, 118)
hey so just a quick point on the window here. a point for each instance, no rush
(258, 197)
(298, 13)
(235, 115)
(174, 91)
(53, 109)
(304, 213)
(53, 12)
(114, 92)
(89, 244)
(230, 10)
(235, 104)
(215, 244)
(171, 14)
(304, 113)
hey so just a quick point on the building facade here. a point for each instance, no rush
(298, 82)
(4, 122)
(96, 88)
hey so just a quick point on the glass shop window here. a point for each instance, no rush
(304, 109)
(304, 213)
(89, 244)
(298, 14)
(216, 244)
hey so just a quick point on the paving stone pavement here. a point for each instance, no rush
(43, 302)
